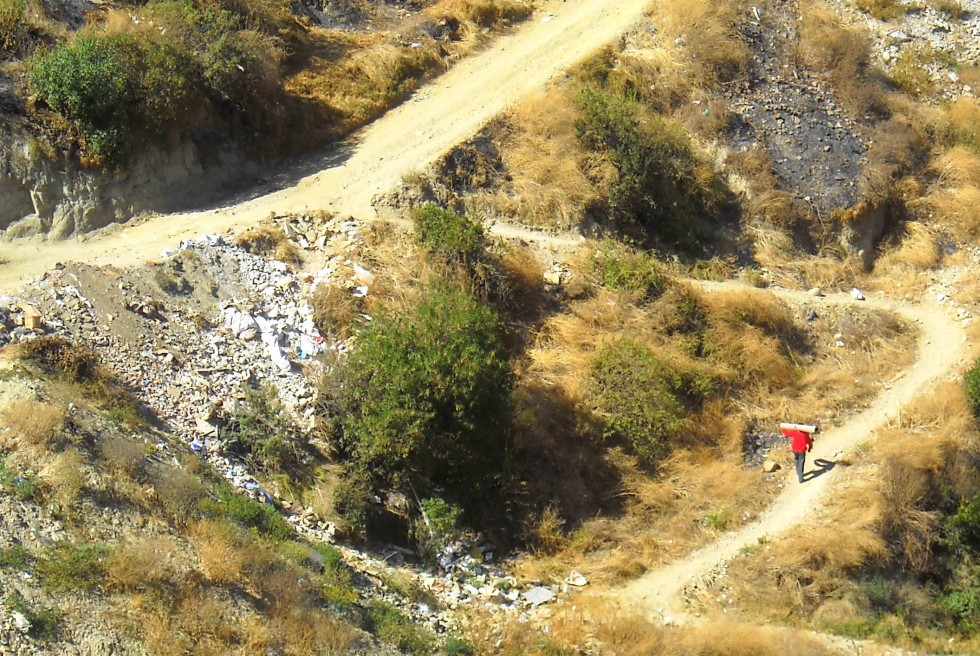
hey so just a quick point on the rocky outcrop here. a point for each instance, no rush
(43, 192)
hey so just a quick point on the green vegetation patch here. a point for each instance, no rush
(246, 512)
(69, 566)
(392, 626)
(424, 398)
(629, 271)
(43, 620)
(262, 432)
(639, 397)
(11, 23)
(663, 191)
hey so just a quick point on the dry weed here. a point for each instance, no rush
(709, 34)
(65, 475)
(270, 241)
(547, 163)
(147, 562)
(32, 424)
(222, 554)
(335, 310)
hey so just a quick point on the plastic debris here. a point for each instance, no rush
(539, 595)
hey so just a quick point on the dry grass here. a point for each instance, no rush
(708, 32)
(899, 268)
(952, 200)
(884, 9)
(547, 163)
(64, 474)
(147, 562)
(32, 424)
(221, 551)
(335, 310)
(270, 241)
(613, 630)
(839, 52)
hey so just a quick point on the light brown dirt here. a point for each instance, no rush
(410, 137)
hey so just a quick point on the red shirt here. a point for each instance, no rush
(801, 440)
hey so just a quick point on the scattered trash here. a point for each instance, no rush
(539, 595)
(857, 295)
(811, 315)
(576, 579)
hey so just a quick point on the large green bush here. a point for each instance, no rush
(639, 397)
(662, 191)
(448, 237)
(91, 82)
(628, 271)
(423, 399)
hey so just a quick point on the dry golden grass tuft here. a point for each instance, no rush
(953, 200)
(32, 424)
(223, 558)
(64, 474)
(899, 268)
(709, 34)
(841, 53)
(547, 163)
(146, 562)
(270, 241)
(335, 310)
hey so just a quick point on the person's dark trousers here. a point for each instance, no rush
(800, 461)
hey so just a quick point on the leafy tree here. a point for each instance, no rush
(423, 399)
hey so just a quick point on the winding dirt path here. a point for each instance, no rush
(659, 593)
(414, 135)
(440, 115)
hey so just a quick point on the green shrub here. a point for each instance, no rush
(972, 382)
(14, 557)
(457, 647)
(390, 625)
(438, 525)
(262, 432)
(43, 620)
(458, 245)
(247, 512)
(90, 82)
(628, 271)
(68, 566)
(881, 593)
(638, 396)
(424, 397)
(964, 607)
(448, 237)
(23, 485)
(662, 191)
(965, 524)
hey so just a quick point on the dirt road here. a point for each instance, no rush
(659, 593)
(438, 117)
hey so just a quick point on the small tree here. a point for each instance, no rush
(423, 399)
(638, 397)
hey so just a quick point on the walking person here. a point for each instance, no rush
(802, 443)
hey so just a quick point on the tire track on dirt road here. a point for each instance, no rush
(439, 116)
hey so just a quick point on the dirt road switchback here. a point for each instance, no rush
(439, 116)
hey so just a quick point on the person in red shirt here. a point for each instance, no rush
(801, 445)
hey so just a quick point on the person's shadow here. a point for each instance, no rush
(822, 467)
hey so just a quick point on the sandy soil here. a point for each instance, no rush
(438, 117)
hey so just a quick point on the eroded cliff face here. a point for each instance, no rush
(46, 192)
